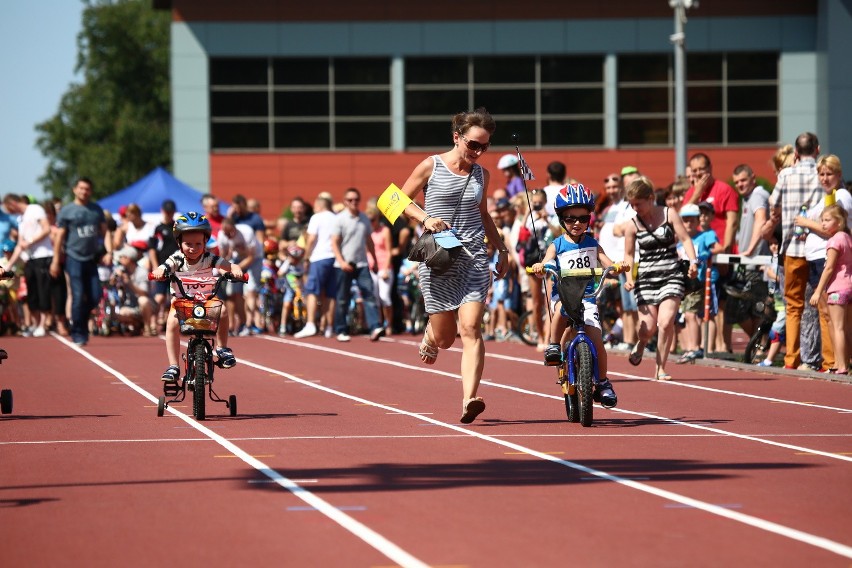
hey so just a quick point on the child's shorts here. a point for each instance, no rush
(841, 297)
(499, 293)
(694, 302)
(591, 317)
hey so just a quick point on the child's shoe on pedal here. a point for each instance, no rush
(171, 374)
(553, 355)
(226, 357)
(605, 394)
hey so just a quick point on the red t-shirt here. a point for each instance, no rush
(723, 198)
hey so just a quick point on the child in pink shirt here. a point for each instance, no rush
(836, 281)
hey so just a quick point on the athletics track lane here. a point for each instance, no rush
(424, 484)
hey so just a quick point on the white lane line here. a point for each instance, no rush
(721, 511)
(582, 435)
(664, 420)
(366, 534)
(639, 378)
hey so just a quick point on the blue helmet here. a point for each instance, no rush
(573, 196)
(191, 221)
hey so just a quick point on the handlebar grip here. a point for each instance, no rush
(582, 272)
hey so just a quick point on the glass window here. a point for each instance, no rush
(235, 71)
(572, 132)
(752, 66)
(525, 129)
(644, 100)
(757, 97)
(704, 130)
(704, 99)
(435, 70)
(428, 134)
(505, 101)
(643, 68)
(302, 135)
(752, 129)
(703, 67)
(644, 131)
(362, 135)
(310, 71)
(239, 135)
(561, 69)
(445, 102)
(362, 71)
(362, 103)
(572, 101)
(239, 103)
(504, 70)
(301, 103)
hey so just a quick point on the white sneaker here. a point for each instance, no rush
(39, 332)
(307, 331)
(329, 333)
(343, 337)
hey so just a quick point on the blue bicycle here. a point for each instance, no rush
(578, 373)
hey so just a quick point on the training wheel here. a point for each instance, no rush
(161, 406)
(6, 401)
(232, 404)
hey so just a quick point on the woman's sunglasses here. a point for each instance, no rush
(475, 146)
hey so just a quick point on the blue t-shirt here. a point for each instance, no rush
(703, 243)
(571, 255)
(7, 223)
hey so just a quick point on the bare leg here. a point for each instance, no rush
(666, 314)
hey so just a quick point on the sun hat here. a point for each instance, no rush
(626, 170)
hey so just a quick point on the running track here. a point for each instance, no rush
(352, 455)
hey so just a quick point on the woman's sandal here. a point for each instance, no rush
(473, 407)
(635, 356)
(428, 352)
(664, 376)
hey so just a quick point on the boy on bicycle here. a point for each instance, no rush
(192, 262)
(576, 248)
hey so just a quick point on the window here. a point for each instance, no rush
(547, 100)
(732, 98)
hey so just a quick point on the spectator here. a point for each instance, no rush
(160, 247)
(210, 204)
(36, 249)
(136, 308)
(540, 229)
(293, 230)
(240, 248)
(629, 174)
(133, 230)
(508, 164)
(659, 281)
(321, 286)
(350, 243)
(382, 274)
(836, 282)
(555, 181)
(749, 242)
(797, 187)
(83, 232)
(613, 246)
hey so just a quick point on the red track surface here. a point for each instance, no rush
(352, 455)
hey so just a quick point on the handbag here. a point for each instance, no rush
(429, 251)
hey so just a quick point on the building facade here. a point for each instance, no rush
(275, 99)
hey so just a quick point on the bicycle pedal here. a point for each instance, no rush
(170, 389)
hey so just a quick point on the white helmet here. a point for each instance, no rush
(507, 161)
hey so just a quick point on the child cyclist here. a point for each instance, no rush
(192, 231)
(577, 248)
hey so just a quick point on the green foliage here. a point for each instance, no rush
(115, 126)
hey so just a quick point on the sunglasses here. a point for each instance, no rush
(475, 146)
(353, 200)
(570, 219)
(612, 178)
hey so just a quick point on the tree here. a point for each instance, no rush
(115, 126)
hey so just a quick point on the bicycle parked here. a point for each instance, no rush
(198, 317)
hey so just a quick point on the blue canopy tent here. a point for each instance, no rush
(150, 192)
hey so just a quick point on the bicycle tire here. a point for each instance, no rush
(584, 383)
(526, 329)
(757, 347)
(198, 375)
(572, 404)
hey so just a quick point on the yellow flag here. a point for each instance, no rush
(393, 202)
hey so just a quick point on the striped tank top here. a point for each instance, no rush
(469, 279)
(659, 274)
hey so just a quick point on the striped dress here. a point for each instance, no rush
(659, 276)
(469, 279)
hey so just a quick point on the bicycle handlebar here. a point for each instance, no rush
(170, 276)
(580, 272)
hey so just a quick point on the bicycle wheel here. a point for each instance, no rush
(526, 328)
(584, 383)
(757, 346)
(572, 404)
(198, 376)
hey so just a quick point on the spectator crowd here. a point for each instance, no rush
(337, 269)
